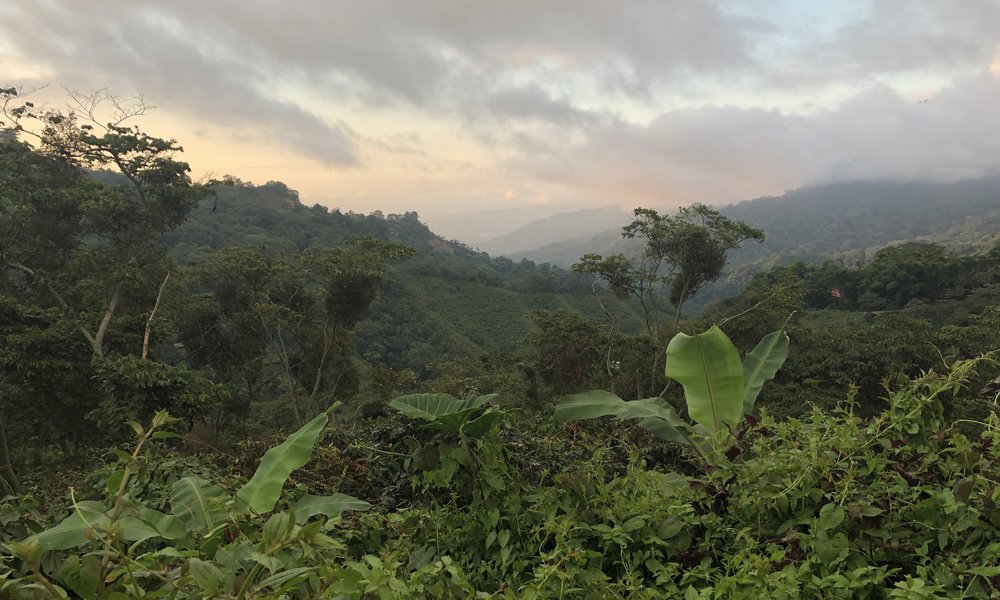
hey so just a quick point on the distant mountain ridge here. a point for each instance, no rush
(846, 220)
(556, 228)
(473, 228)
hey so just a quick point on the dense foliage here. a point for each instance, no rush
(898, 506)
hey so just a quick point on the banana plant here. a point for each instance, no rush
(448, 413)
(720, 390)
(201, 514)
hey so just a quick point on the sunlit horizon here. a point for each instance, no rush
(450, 107)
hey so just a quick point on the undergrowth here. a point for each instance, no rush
(827, 506)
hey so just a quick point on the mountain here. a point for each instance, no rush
(450, 299)
(846, 219)
(473, 228)
(556, 228)
(840, 220)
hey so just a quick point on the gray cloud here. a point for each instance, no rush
(423, 53)
(883, 38)
(130, 51)
(903, 35)
(543, 84)
(724, 154)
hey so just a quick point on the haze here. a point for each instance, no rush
(456, 106)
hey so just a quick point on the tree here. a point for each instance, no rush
(258, 318)
(82, 262)
(898, 274)
(92, 249)
(680, 254)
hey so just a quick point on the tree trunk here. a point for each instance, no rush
(97, 341)
(328, 339)
(152, 315)
(8, 479)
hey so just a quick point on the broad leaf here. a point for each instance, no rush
(148, 525)
(483, 423)
(168, 527)
(199, 504)
(654, 414)
(90, 517)
(261, 493)
(330, 506)
(591, 404)
(709, 368)
(78, 529)
(443, 410)
(761, 365)
(206, 576)
(82, 575)
(668, 431)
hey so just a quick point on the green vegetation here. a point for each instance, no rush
(159, 337)
(719, 391)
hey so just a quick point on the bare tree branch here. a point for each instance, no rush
(152, 315)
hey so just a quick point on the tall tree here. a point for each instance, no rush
(81, 262)
(87, 249)
(680, 254)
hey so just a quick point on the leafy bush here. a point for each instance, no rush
(210, 544)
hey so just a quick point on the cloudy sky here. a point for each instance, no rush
(448, 106)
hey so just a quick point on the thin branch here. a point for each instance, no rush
(7, 475)
(755, 306)
(288, 375)
(13, 114)
(152, 315)
(121, 111)
(327, 343)
(31, 273)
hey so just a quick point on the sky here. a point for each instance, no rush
(453, 106)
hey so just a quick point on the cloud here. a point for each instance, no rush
(725, 153)
(901, 35)
(880, 40)
(426, 54)
(135, 51)
(647, 99)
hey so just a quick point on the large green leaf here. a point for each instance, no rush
(90, 517)
(261, 493)
(82, 575)
(654, 414)
(78, 529)
(443, 410)
(761, 365)
(198, 503)
(287, 576)
(169, 527)
(709, 368)
(483, 423)
(331, 506)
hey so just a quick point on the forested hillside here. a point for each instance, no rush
(445, 302)
(842, 220)
(209, 390)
